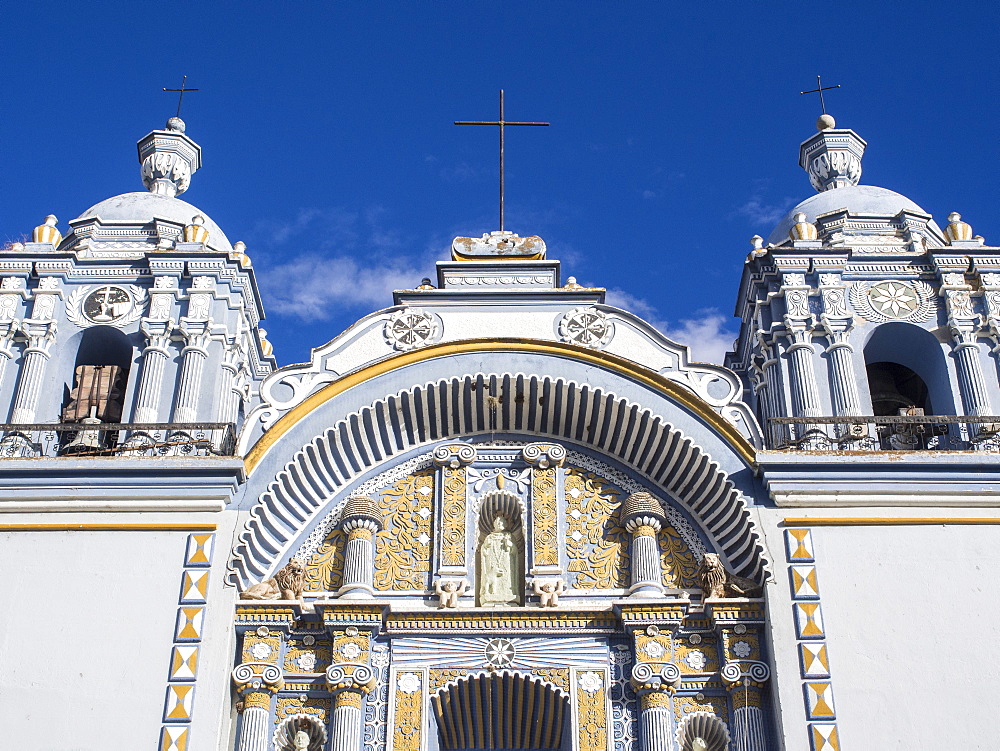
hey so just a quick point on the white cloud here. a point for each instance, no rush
(314, 287)
(708, 335)
(760, 212)
(707, 332)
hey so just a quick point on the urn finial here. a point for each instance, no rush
(168, 158)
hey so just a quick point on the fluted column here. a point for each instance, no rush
(345, 725)
(654, 683)
(656, 721)
(805, 395)
(256, 683)
(154, 360)
(843, 382)
(745, 684)
(642, 516)
(231, 360)
(360, 520)
(348, 682)
(193, 356)
(254, 722)
(971, 381)
(41, 335)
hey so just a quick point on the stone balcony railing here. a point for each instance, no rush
(19, 441)
(902, 433)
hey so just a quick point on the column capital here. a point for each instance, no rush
(544, 455)
(655, 676)
(744, 673)
(350, 677)
(259, 677)
(454, 455)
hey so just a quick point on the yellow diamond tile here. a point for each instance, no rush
(179, 701)
(804, 583)
(798, 544)
(824, 736)
(184, 663)
(819, 701)
(194, 586)
(173, 738)
(199, 549)
(814, 660)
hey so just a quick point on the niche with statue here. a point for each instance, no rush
(500, 551)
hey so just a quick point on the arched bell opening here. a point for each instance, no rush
(97, 394)
(907, 370)
(896, 390)
(501, 711)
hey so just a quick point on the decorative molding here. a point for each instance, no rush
(893, 300)
(587, 326)
(76, 302)
(635, 436)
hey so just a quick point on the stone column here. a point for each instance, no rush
(838, 320)
(41, 335)
(971, 381)
(843, 383)
(654, 684)
(348, 683)
(232, 357)
(256, 684)
(656, 721)
(745, 683)
(154, 360)
(360, 520)
(642, 516)
(193, 355)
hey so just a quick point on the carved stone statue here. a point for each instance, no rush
(449, 591)
(716, 582)
(548, 591)
(500, 573)
(301, 741)
(287, 584)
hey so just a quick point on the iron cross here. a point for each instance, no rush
(502, 123)
(182, 89)
(820, 89)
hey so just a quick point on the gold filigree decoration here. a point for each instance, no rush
(351, 648)
(325, 567)
(406, 736)
(679, 565)
(593, 721)
(321, 651)
(597, 545)
(558, 676)
(453, 517)
(402, 548)
(289, 705)
(438, 678)
(684, 705)
(270, 652)
(543, 512)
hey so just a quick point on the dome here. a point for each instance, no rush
(142, 208)
(858, 199)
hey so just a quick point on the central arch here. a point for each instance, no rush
(501, 711)
(475, 405)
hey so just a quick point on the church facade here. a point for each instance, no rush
(500, 513)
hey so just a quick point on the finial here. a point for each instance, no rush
(802, 230)
(196, 231)
(957, 230)
(832, 157)
(571, 284)
(265, 346)
(757, 242)
(425, 284)
(826, 122)
(47, 232)
(240, 254)
(168, 158)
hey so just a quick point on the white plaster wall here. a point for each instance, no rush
(910, 618)
(85, 634)
(911, 622)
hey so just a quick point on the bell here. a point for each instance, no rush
(86, 441)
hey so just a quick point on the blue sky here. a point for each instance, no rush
(329, 146)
